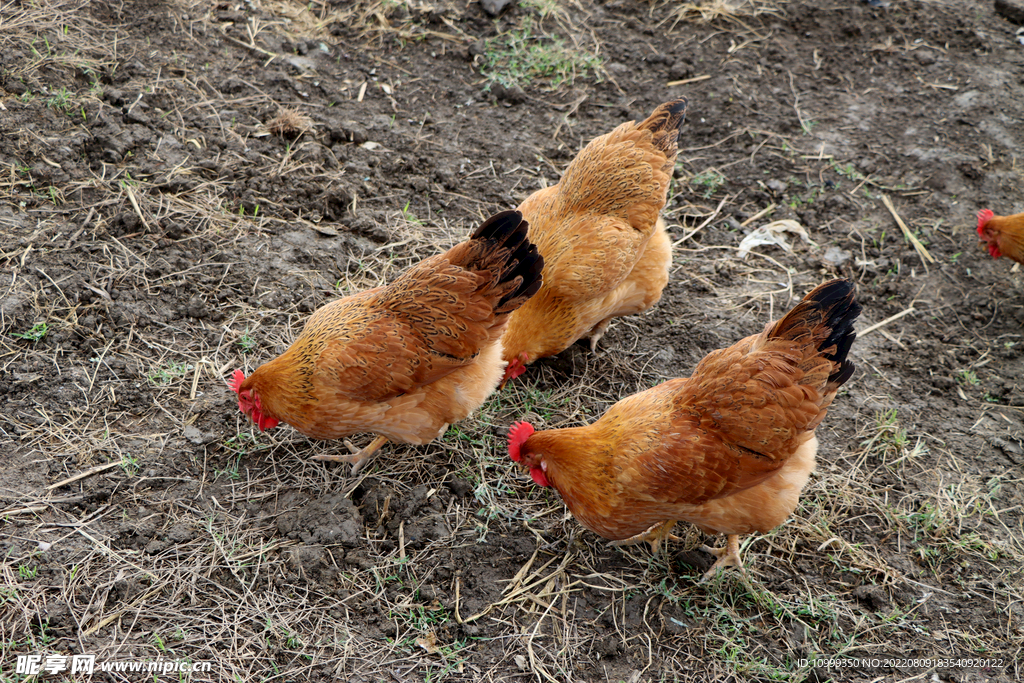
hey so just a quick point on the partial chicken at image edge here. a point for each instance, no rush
(1002, 235)
(607, 252)
(728, 449)
(406, 359)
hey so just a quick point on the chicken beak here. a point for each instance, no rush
(515, 367)
(509, 374)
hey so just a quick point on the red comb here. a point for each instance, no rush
(984, 216)
(236, 380)
(518, 433)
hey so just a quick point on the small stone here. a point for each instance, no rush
(924, 57)
(680, 70)
(196, 307)
(197, 437)
(495, 7)
(666, 355)
(776, 185)
(512, 95)
(834, 256)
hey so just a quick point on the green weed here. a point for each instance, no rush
(709, 182)
(968, 377)
(60, 100)
(848, 171)
(247, 342)
(167, 374)
(34, 334)
(520, 57)
(130, 464)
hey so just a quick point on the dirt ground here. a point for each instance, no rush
(161, 225)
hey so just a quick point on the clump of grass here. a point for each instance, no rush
(60, 100)
(33, 334)
(130, 464)
(710, 11)
(168, 373)
(247, 342)
(544, 8)
(290, 122)
(709, 182)
(849, 171)
(890, 441)
(521, 56)
(968, 377)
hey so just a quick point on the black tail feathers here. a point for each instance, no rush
(678, 108)
(509, 230)
(834, 300)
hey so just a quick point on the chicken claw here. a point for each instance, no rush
(597, 333)
(729, 556)
(662, 531)
(359, 456)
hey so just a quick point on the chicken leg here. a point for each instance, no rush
(729, 556)
(597, 333)
(662, 531)
(359, 456)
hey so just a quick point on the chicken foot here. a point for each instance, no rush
(597, 333)
(662, 531)
(359, 456)
(729, 556)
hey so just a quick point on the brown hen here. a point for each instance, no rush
(407, 359)
(606, 251)
(728, 449)
(1003, 235)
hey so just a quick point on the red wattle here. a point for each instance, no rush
(539, 478)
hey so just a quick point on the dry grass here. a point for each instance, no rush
(290, 122)
(372, 20)
(732, 11)
(55, 37)
(236, 592)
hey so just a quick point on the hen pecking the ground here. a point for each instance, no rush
(728, 449)
(406, 359)
(606, 251)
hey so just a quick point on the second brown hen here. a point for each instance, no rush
(605, 249)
